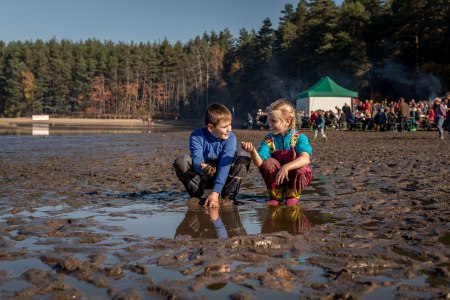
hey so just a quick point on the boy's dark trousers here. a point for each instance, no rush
(196, 183)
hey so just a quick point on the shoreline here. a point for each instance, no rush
(13, 122)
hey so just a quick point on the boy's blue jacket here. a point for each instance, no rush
(206, 147)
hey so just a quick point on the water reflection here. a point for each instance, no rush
(225, 222)
(285, 218)
(41, 129)
(55, 129)
(208, 222)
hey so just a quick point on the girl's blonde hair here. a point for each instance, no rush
(284, 109)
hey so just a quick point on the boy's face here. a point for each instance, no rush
(221, 130)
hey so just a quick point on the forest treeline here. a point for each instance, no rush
(382, 49)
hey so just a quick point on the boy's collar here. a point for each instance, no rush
(210, 135)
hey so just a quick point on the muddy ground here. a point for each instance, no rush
(374, 224)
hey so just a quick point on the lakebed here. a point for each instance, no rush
(103, 216)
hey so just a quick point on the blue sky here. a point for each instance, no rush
(132, 20)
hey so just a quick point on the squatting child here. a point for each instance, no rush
(284, 156)
(213, 162)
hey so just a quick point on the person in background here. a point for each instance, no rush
(214, 161)
(312, 119)
(342, 119)
(380, 120)
(414, 118)
(346, 109)
(320, 125)
(284, 156)
(404, 114)
(447, 99)
(298, 120)
(367, 106)
(366, 120)
(249, 121)
(429, 120)
(439, 115)
(392, 119)
(333, 119)
(351, 121)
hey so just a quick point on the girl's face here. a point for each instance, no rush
(278, 124)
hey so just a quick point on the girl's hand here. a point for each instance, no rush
(281, 176)
(248, 146)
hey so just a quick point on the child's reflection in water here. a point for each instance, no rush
(285, 218)
(206, 222)
(225, 222)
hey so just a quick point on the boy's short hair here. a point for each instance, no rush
(215, 113)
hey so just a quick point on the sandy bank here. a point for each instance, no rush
(11, 122)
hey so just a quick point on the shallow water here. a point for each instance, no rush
(159, 215)
(44, 130)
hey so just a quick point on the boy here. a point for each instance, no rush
(214, 162)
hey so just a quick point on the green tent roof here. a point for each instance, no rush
(326, 87)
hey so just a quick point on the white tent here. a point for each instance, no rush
(326, 95)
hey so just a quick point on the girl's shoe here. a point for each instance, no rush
(291, 201)
(272, 202)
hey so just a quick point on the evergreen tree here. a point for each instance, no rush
(15, 103)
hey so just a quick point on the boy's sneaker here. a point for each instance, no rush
(291, 201)
(272, 202)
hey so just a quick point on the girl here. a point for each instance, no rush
(320, 125)
(284, 156)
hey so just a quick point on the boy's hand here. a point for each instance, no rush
(212, 200)
(248, 146)
(208, 169)
(213, 213)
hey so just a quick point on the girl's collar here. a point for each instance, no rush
(285, 135)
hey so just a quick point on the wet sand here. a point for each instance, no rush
(386, 233)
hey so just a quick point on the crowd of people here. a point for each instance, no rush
(370, 115)
(381, 116)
